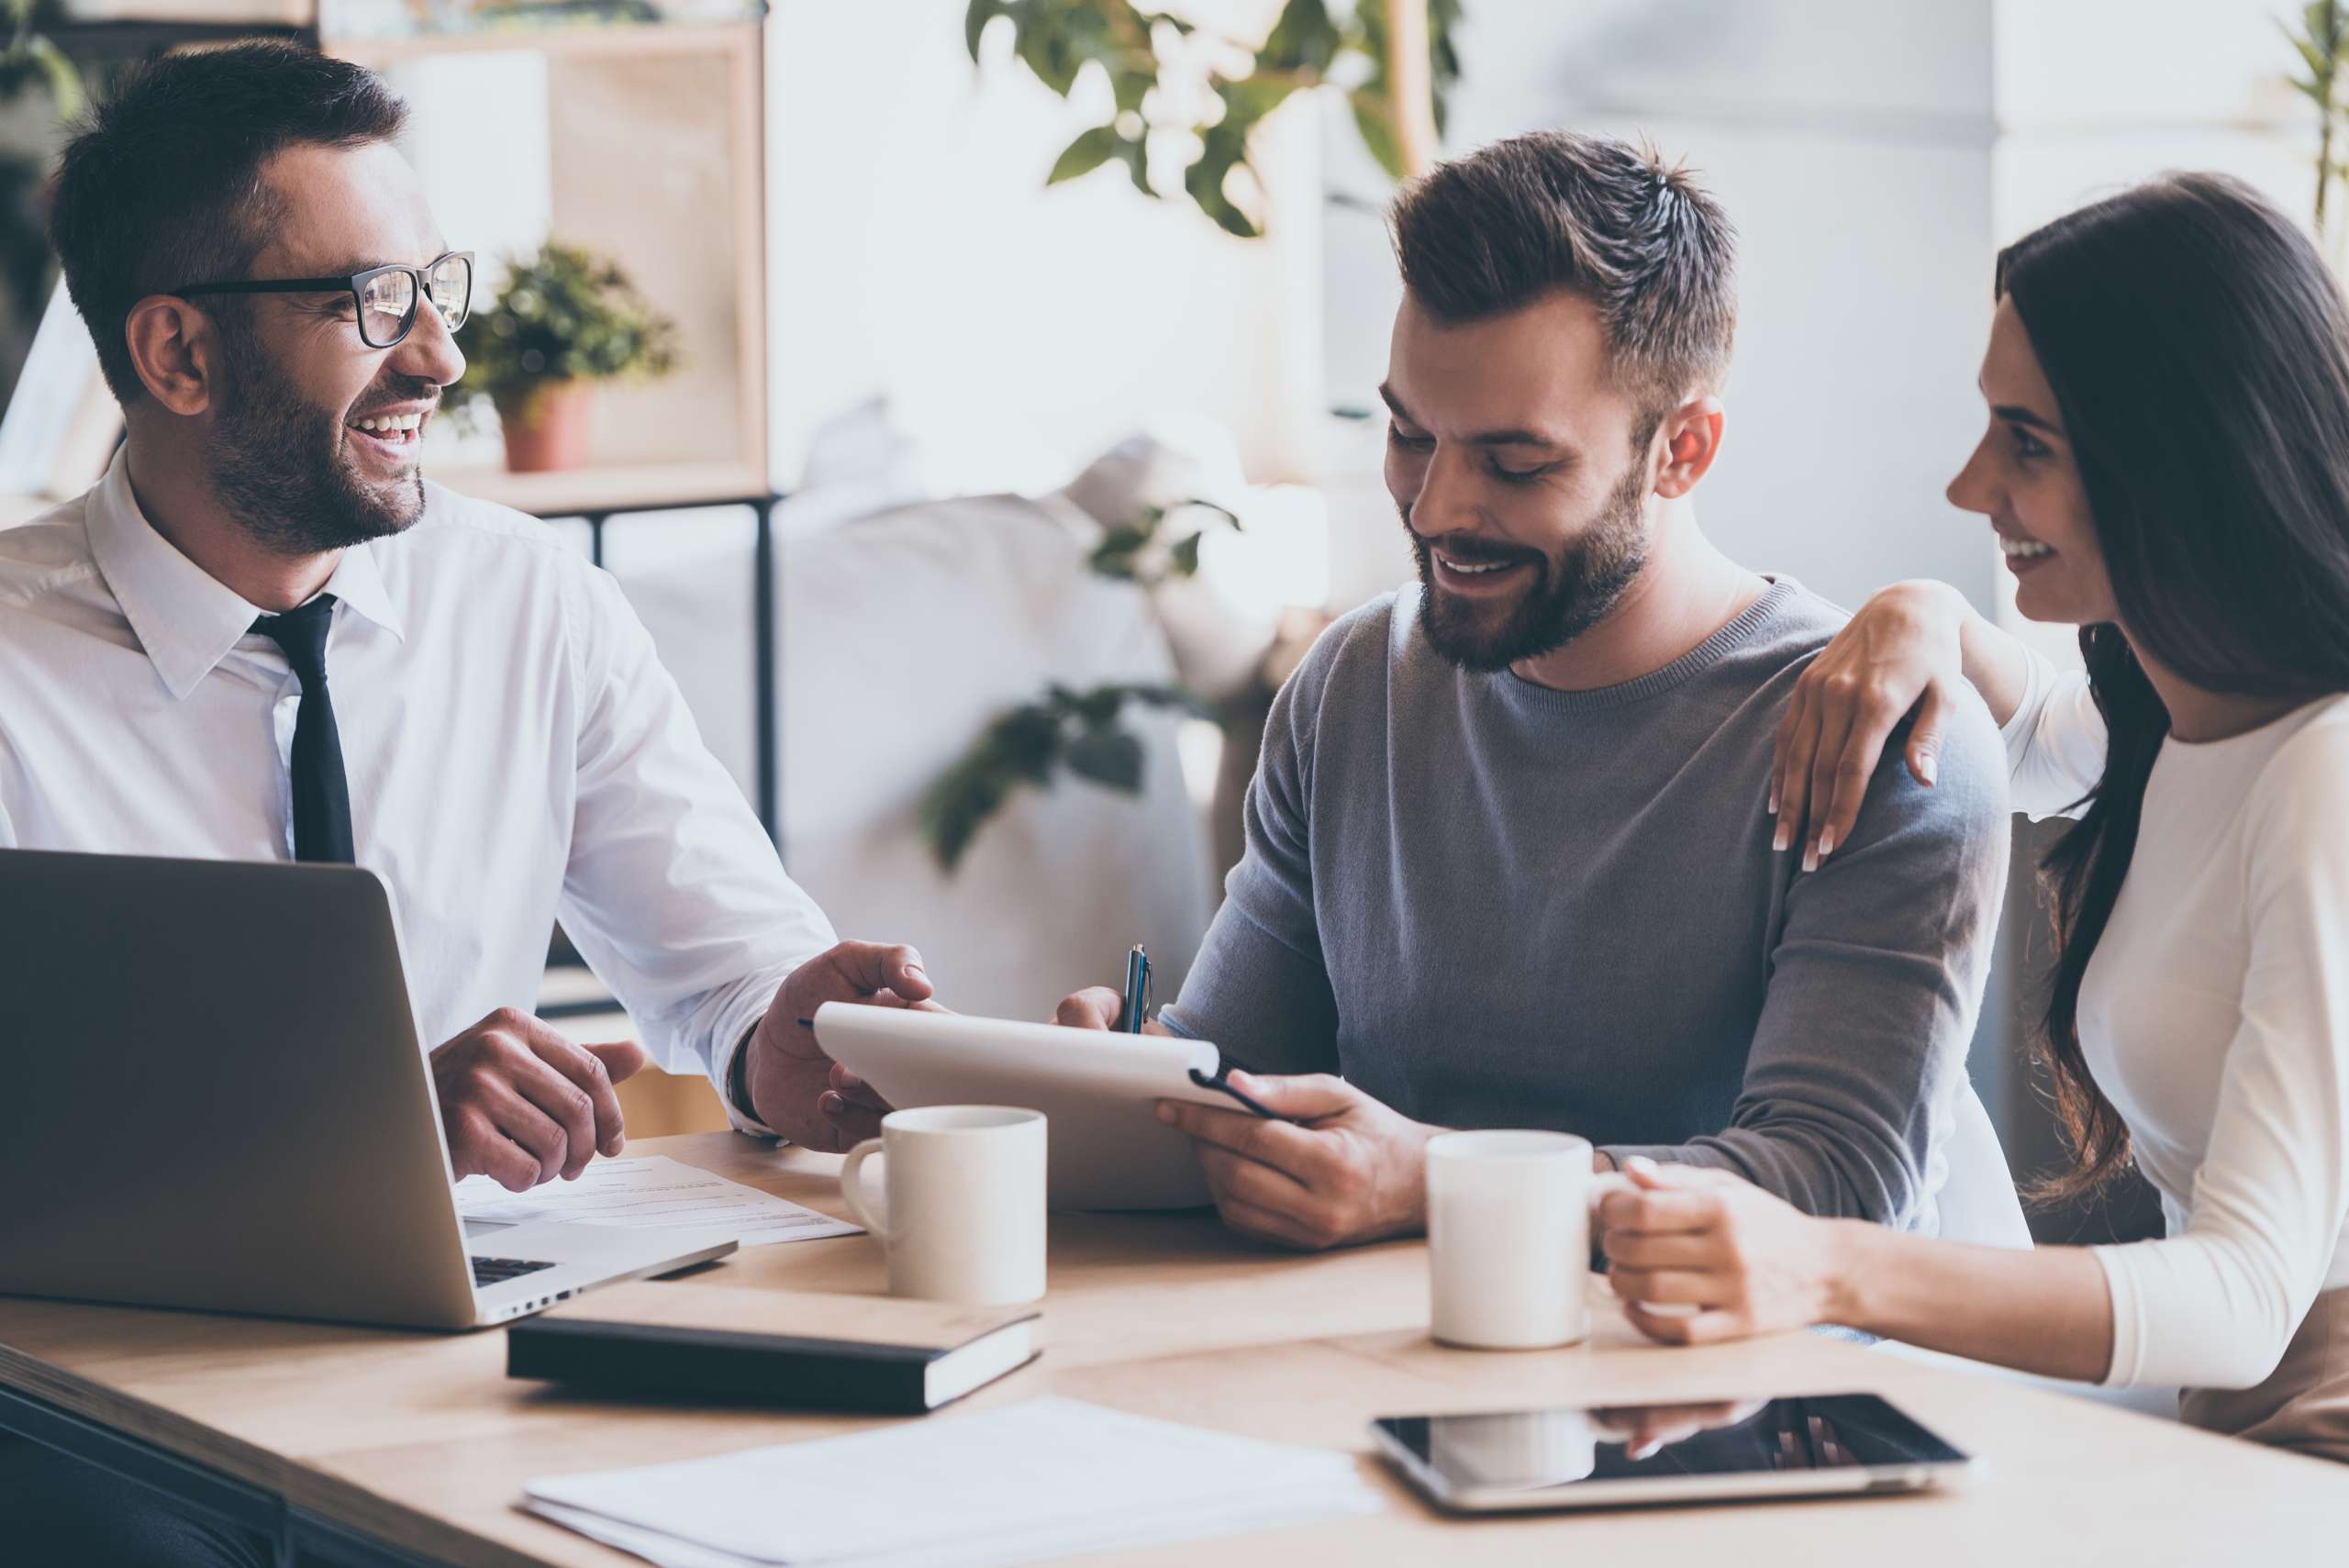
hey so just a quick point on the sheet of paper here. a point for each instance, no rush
(652, 1193)
(1039, 1479)
(994, 1552)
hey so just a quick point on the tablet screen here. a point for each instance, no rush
(1524, 1450)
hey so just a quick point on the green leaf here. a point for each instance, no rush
(1230, 517)
(1110, 757)
(1022, 747)
(1086, 155)
(1304, 39)
(974, 23)
(1170, 697)
(1115, 555)
(64, 79)
(1374, 119)
(1097, 707)
(1051, 54)
(1226, 149)
(1183, 561)
(1137, 156)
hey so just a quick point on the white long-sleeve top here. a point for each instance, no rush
(514, 750)
(2215, 1017)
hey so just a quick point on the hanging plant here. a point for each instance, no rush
(1185, 96)
(1085, 732)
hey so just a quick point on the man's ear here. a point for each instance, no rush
(1692, 439)
(176, 351)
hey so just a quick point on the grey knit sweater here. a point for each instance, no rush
(1490, 904)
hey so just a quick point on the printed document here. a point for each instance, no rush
(654, 1193)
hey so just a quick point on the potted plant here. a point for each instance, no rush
(565, 320)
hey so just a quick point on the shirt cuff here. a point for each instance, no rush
(734, 1036)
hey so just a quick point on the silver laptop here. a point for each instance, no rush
(212, 1094)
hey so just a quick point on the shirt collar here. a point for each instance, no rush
(358, 582)
(185, 619)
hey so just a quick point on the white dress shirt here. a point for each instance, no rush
(2215, 1015)
(516, 753)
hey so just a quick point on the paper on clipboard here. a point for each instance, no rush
(1098, 1090)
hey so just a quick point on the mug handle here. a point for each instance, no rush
(852, 1188)
(1601, 1184)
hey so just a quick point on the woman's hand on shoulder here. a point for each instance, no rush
(1903, 653)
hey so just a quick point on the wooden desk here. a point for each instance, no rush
(419, 1444)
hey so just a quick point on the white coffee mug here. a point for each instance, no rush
(1508, 1238)
(964, 1216)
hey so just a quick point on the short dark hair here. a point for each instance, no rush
(161, 186)
(1590, 216)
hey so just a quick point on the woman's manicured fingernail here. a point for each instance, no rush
(1774, 803)
(1826, 843)
(1782, 838)
(1927, 770)
(1810, 857)
(830, 1104)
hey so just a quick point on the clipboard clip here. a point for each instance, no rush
(1221, 1087)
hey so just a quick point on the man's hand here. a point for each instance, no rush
(522, 1105)
(1356, 1171)
(795, 1087)
(1726, 1258)
(1099, 1008)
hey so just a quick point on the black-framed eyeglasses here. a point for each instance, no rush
(387, 297)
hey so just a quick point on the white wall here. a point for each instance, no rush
(1851, 142)
(2095, 94)
(915, 251)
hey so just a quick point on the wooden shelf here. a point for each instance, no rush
(570, 493)
(653, 156)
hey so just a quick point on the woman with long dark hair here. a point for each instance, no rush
(2167, 467)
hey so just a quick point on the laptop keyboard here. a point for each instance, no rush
(498, 1270)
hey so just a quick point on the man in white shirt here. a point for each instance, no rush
(263, 636)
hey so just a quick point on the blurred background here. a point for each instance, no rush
(975, 395)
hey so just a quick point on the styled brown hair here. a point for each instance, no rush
(162, 186)
(1611, 223)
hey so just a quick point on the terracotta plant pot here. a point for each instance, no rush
(548, 429)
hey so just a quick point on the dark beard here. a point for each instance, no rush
(278, 465)
(1566, 598)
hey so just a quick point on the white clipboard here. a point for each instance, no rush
(1098, 1090)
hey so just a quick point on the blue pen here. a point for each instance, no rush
(1130, 1017)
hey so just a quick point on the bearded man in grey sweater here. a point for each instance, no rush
(1510, 856)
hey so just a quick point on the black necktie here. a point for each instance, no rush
(321, 794)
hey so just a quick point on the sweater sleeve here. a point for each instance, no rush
(2216, 1305)
(1875, 980)
(2056, 742)
(1260, 988)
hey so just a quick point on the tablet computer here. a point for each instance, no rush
(1700, 1451)
(1105, 1147)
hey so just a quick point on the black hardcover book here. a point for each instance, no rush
(795, 1349)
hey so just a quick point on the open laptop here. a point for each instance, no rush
(212, 1096)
